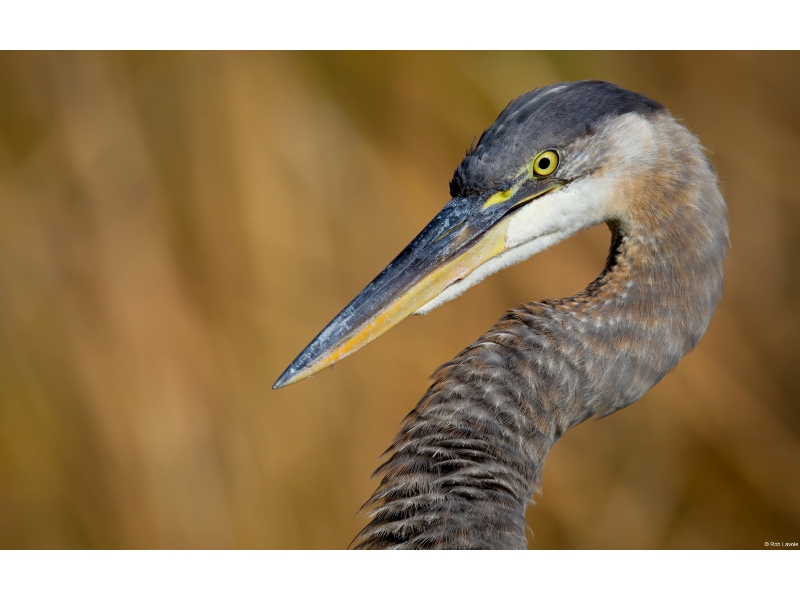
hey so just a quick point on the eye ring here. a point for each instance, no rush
(545, 163)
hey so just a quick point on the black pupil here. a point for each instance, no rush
(544, 163)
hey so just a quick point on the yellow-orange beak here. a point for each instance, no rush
(465, 234)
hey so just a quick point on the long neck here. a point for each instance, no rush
(470, 456)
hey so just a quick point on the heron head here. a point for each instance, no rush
(550, 165)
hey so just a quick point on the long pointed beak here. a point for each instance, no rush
(467, 232)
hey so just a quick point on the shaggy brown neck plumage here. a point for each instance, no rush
(470, 456)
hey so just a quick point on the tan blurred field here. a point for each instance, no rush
(175, 227)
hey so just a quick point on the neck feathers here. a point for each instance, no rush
(470, 455)
(663, 278)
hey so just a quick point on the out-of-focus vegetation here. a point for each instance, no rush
(175, 227)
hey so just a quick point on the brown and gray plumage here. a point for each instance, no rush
(557, 160)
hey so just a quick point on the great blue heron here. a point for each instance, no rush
(557, 160)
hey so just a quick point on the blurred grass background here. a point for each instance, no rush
(175, 227)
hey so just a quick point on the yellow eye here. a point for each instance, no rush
(545, 163)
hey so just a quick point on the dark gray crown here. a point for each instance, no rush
(548, 117)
